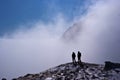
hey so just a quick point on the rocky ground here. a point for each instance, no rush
(69, 71)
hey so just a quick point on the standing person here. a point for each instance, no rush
(73, 58)
(79, 59)
(79, 56)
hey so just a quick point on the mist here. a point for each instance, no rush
(40, 47)
(100, 31)
(96, 33)
(33, 50)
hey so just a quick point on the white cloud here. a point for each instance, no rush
(100, 31)
(33, 50)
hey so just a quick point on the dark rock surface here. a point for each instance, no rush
(69, 71)
(110, 65)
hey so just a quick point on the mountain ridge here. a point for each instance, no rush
(68, 71)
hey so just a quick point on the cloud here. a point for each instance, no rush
(34, 49)
(102, 25)
(99, 35)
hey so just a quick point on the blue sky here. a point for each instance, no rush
(18, 12)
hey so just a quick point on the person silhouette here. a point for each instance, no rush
(4, 79)
(79, 56)
(79, 59)
(73, 58)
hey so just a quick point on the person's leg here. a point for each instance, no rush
(72, 60)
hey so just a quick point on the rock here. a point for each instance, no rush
(49, 78)
(110, 65)
(69, 72)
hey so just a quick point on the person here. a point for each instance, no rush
(73, 58)
(79, 56)
(4, 79)
(79, 59)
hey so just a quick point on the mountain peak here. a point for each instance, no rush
(69, 71)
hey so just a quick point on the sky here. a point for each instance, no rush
(15, 12)
(31, 33)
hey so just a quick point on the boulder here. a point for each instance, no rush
(111, 65)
